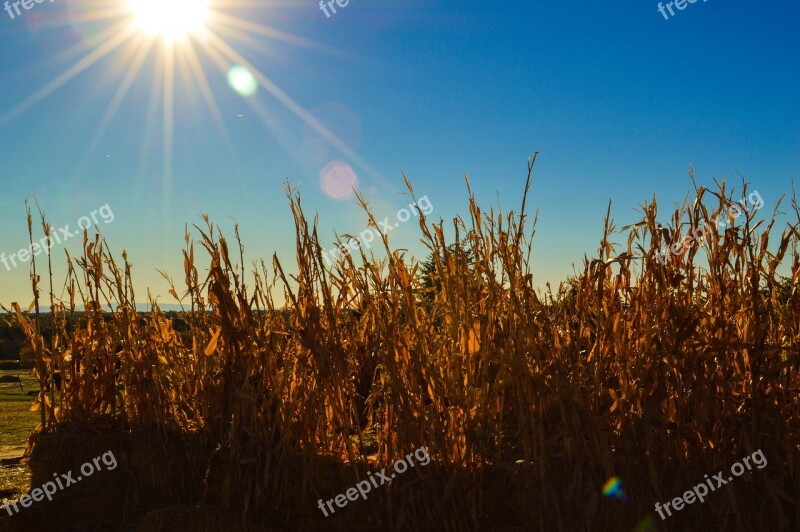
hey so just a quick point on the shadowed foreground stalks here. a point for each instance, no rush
(526, 402)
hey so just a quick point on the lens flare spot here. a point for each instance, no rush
(86, 28)
(613, 488)
(242, 80)
(338, 180)
(648, 524)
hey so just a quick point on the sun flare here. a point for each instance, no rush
(186, 44)
(170, 19)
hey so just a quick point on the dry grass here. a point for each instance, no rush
(654, 373)
(18, 423)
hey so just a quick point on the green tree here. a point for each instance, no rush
(431, 268)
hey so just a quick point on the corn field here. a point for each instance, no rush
(292, 386)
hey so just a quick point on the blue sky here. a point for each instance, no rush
(619, 101)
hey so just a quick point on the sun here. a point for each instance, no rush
(181, 40)
(170, 19)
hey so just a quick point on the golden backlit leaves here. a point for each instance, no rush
(630, 367)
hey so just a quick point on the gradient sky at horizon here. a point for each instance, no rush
(618, 101)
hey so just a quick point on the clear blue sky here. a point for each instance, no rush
(619, 101)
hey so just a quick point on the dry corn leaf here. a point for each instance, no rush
(212, 344)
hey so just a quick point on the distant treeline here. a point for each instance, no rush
(12, 339)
